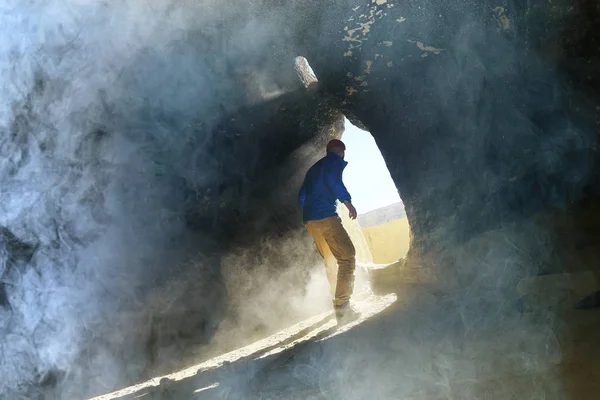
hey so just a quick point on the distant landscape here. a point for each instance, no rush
(382, 215)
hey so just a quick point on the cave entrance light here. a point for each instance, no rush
(380, 209)
(381, 234)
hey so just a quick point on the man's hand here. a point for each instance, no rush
(351, 208)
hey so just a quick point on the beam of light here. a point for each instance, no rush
(368, 308)
(214, 385)
(218, 361)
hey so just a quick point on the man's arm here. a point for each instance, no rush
(337, 187)
(352, 211)
(333, 179)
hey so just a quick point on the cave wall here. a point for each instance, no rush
(125, 174)
(490, 133)
(486, 115)
(140, 151)
(481, 87)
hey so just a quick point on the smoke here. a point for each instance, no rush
(488, 153)
(105, 139)
(464, 335)
(268, 290)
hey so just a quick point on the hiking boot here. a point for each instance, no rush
(345, 314)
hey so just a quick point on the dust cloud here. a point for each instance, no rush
(493, 153)
(105, 121)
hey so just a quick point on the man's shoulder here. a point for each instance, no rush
(317, 164)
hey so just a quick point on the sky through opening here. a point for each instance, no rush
(366, 176)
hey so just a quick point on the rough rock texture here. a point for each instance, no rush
(143, 146)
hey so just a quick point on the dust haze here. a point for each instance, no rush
(106, 115)
(105, 121)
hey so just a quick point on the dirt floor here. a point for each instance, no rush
(404, 346)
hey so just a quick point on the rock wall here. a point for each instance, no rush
(492, 144)
(465, 85)
(142, 147)
(124, 173)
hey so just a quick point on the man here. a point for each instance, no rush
(320, 191)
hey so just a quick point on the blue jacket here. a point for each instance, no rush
(322, 187)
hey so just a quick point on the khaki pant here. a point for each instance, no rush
(336, 248)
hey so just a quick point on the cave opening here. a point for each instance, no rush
(149, 216)
(381, 232)
(381, 214)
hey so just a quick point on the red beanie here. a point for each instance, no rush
(335, 143)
